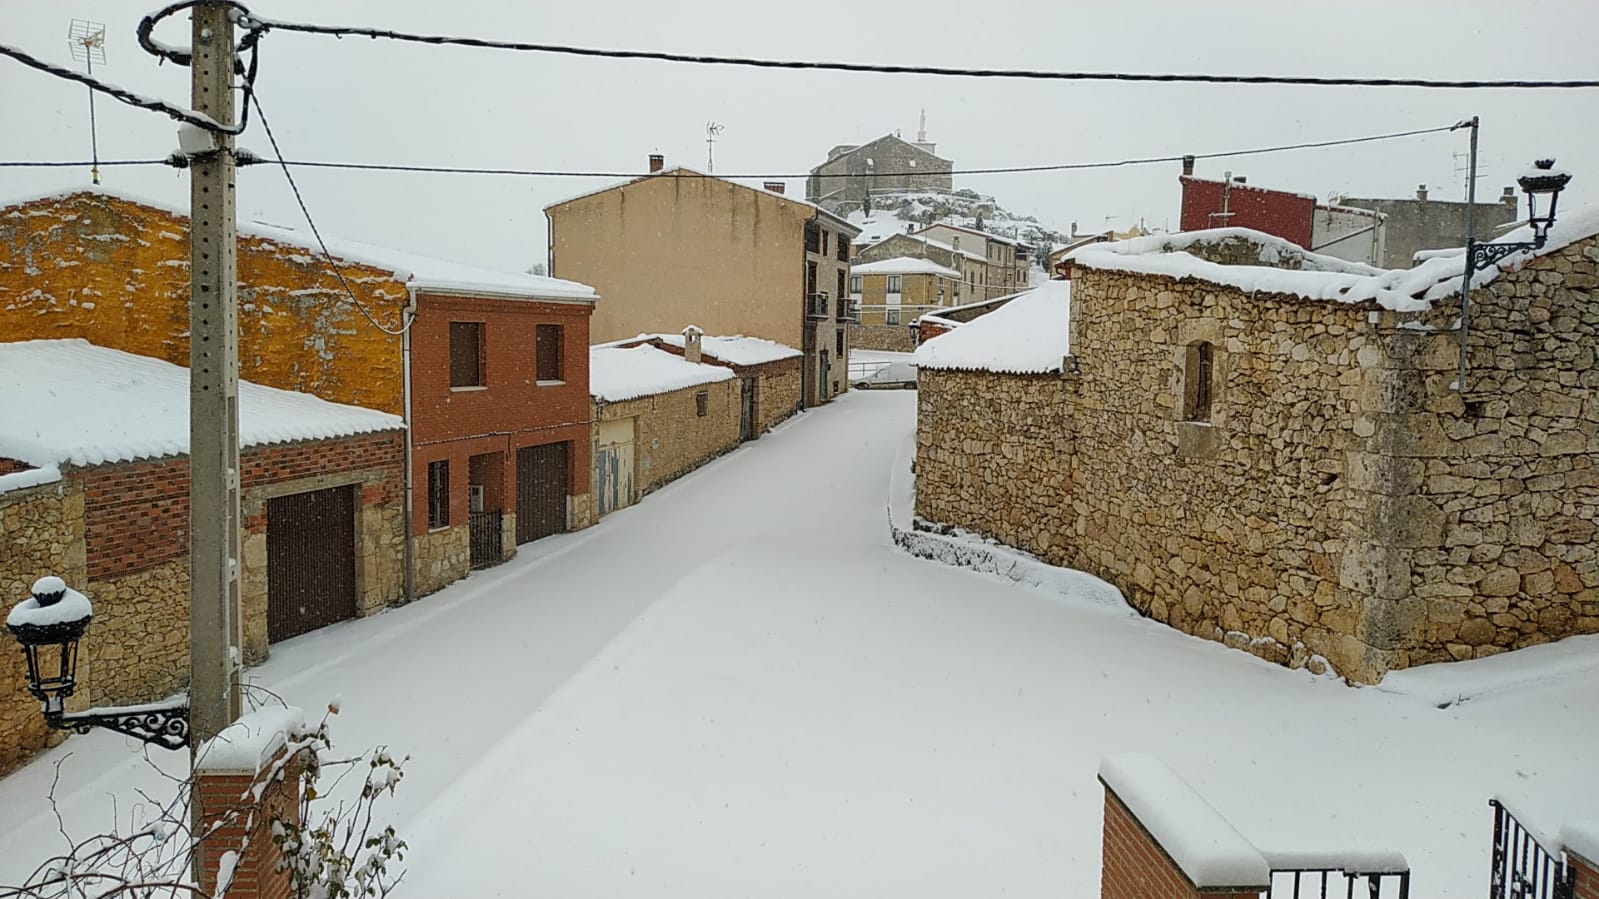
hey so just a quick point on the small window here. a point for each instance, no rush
(1199, 372)
(855, 284)
(893, 283)
(702, 403)
(825, 236)
(841, 291)
(466, 354)
(891, 315)
(439, 494)
(547, 348)
(810, 279)
(843, 249)
(840, 335)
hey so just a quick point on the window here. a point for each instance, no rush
(439, 494)
(547, 350)
(893, 283)
(841, 291)
(843, 249)
(891, 315)
(466, 354)
(810, 279)
(840, 335)
(813, 238)
(1199, 371)
(702, 403)
(825, 236)
(941, 293)
(855, 284)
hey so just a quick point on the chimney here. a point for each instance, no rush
(1509, 200)
(775, 187)
(657, 162)
(1188, 166)
(1240, 180)
(691, 344)
(1421, 192)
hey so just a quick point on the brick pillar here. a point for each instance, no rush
(1587, 870)
(1134, 866)
(243, 825)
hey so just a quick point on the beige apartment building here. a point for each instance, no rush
(1009, 260)
(679, 246)
(895, 291)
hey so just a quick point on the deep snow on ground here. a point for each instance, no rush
(741, 686)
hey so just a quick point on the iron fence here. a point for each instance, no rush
(485, 539)
(1324, 883)
(1522, 867)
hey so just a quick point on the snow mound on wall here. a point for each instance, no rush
(250, 742)
(617, 374)
(903, 265)
(736, 350)
(69, 401)
(1028, 335)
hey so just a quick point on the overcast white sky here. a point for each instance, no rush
(384, 102)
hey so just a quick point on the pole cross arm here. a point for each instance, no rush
(1486, 254)
(160, 724)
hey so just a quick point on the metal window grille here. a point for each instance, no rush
(466, 354)
(547, 349)
(439, 494)
(702, 403)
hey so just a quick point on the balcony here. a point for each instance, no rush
(849, 310)
(816, 306)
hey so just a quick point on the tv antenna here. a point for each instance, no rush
(712, 129)
(86, 39)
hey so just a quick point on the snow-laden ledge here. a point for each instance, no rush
(1210, 852)
(247, 744)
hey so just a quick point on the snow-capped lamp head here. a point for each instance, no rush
(1546, 181)
(49, 625)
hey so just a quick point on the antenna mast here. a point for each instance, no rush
(87, 42)
(712, 129)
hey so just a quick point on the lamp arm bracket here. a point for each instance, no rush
(160, 724)
(1485, 254)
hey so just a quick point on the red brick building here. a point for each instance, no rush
(1236, 204)
(94, 488)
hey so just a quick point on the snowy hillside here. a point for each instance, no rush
(900, 211)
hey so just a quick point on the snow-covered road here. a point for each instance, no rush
(741, 687)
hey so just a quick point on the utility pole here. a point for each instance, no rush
(215, 629)
(1471, 242)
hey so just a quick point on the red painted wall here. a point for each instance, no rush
(511, 411)
(1275, 212)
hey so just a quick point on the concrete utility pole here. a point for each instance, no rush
(215, 629)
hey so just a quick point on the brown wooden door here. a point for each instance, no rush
(541, 473)
(310, 561)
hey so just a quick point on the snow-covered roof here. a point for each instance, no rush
(986, 235)
(903, 265)
(738, 349)
(926, 241)
(1028, 335)
(626, 373)
(1208, 849)
(418, 269)
(69, 401)
(1325, 277)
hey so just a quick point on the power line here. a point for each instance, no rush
(265, 25)
(66, 164)
(317, 233)
(1000, 170)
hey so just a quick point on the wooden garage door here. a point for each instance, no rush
(310, 561)
(540, 491)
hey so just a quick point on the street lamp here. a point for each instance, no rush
(1541, 182)
(49, 625)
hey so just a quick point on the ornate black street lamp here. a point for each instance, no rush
(1541, 182)
(49, 625)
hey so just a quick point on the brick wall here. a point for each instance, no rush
(235, 824)
(1587, 871)
(1287, 215)
(1133, 865)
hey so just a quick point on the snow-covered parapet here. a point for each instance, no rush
(1208, 850)
(1028, 335)
(249, 743)
(29, 477)
(904, 265)
(738, 349)
(1581, 837)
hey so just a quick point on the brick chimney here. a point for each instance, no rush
(691, 344)
(775, 187)
(1421, 192)
(657, 162)
(1188, 166)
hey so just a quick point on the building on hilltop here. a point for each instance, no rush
(846, 181)
(1428, 223)
(680, 246)
(1266, 447)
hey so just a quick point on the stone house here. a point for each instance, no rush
(845, 182)
(1009, 261)
(1263, 446)
(679, 246)
(768, 374)
(892, 292)
(95, 490)
(657, 416)
(113, 269)
(941, 321)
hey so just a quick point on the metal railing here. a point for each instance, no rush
(486, 546)
(1522, 867)
(816, 305)
(849, 311)
(1323, 883)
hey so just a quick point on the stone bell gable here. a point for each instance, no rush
(1259, 456)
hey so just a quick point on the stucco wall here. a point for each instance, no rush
(670, 438)
(1342, 501)
(116, 273)
(1429, 224)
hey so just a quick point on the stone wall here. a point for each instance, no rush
(441, 557)
(777, 392)
(896, 338)
(670, 437)
(1342, 501)
(41, 532)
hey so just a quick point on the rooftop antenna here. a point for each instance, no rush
(712, 129)
(86, 39)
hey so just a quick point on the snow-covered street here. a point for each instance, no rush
(741, 686)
